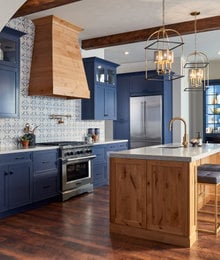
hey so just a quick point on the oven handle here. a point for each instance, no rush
(81, 158)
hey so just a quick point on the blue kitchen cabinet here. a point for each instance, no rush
(134, 85)
(99, 171)
(100, 163)
(46, 174)
(15, 180)
(10, 72)
(211, 112)
(102, 81)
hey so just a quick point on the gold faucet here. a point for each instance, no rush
(185, 137)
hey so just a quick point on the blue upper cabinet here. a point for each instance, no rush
(9, 72)
(102, 81)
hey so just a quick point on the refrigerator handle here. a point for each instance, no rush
(144, 121)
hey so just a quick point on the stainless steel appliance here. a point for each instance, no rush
(76, 168)
(145, 121)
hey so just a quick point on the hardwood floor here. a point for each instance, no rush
(78, 229)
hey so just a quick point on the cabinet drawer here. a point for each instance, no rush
(45, 186)
(100, 155)
(45, 160)
(14, 157)
(117, 146)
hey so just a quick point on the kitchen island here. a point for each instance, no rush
(153, 191)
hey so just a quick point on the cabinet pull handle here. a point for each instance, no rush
(6, 173)
(11, 172)
(105, 114)
(19, 158)
(44, 161)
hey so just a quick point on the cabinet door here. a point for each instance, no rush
(211, 124)
(110, 103)
(128, 192)
(167, 187)
(99, 102)
(45, 186)
(99, 175)
(3, 189)
(9, 92)
(19, 184)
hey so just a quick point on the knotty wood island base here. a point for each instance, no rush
(153, 191)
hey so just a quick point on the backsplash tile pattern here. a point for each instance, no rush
(36, 110)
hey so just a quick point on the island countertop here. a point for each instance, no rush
(169, 152)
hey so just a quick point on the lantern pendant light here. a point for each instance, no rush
(197, 66)
(160, 49)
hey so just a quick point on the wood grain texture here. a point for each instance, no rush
(203, 25)
(78, 229)
(57, 68)
(168, 200)
(33, 6)
(128, 184)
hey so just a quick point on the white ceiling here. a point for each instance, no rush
(105, 17)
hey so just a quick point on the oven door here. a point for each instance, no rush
(76, 172)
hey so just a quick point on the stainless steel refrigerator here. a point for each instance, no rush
(145, 121)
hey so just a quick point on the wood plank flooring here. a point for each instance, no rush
(78, 229)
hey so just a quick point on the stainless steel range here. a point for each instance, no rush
(76, 168)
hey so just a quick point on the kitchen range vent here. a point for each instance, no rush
(57, 68)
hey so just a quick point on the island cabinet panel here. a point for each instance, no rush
(154, 199)
(128, 192)
(167, 186)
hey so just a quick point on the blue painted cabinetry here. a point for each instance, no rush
(100, 163)
(27, 178)
(45, 174)
(9, 72)
(102, 81)
(211, 112)
(15, 180)
(135, 84)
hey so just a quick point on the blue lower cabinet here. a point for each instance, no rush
(26, 178)
(100, 163)
(99, 175)
(45, 186)
(46, 174)
(15, 181)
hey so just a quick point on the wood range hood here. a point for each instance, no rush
(57, 68)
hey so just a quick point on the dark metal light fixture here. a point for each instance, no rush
(162, 51)
(197, 66)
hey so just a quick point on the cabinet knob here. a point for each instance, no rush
(6, 173)
(11, 172)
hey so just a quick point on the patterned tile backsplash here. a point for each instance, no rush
(36, 110)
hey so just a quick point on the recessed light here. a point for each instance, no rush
(218, 52)
(126, 52)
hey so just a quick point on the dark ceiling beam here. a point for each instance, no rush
(33, 6)
(203, 25)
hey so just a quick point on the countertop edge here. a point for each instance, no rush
(15, 149)
(194, 154)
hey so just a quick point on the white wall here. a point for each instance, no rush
(8, 9)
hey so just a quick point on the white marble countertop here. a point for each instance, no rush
(169, 152)
(110, 141)
(18, 149)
